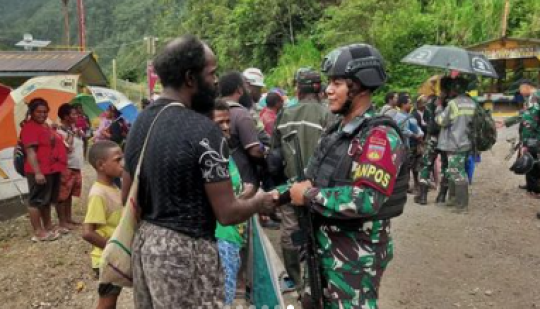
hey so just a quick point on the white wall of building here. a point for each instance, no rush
(14, 185)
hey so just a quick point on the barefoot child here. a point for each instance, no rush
(104, 210)
(71, 177)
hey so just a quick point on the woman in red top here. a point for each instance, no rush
(46, 158)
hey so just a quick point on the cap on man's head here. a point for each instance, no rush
(254, 77)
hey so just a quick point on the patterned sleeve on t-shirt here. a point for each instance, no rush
(213, 153)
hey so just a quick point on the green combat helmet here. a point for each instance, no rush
(307, 76)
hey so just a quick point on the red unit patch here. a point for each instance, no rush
(375, 166)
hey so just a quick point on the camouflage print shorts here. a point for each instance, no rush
(172, 270)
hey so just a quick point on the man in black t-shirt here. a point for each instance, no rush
(184, 185)
(246, 149)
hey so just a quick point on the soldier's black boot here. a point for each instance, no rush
(451, 194)
(443, 189)
(421, 198)
(462, 198)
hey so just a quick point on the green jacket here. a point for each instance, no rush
(455, 121)
(309, 118)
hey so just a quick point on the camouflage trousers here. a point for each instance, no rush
(353, 263)
(428, 160)
(456, 167)
(172, 270)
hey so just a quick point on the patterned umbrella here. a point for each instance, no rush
(106, 97)
(8, 138)
(56, 90)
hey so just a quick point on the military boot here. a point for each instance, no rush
(292, 266)
(443, 189)
(462, 198)
(421, 198)
(451, 194)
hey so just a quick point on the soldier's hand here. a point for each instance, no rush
(499, 124)
(297, 192)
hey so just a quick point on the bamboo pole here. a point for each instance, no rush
(113, 82)
(504, 21)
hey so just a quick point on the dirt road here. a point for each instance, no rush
(489, 258)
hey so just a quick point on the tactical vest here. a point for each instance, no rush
(331, 166)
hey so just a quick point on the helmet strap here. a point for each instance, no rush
(347, 106)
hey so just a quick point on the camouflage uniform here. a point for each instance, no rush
(428, 160)
(530, 137)
(431, 152)
(353, 257)
(456, 167)
(529, 119)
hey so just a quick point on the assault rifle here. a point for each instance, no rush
(305, 237)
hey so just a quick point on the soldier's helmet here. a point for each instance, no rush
(458, 84)
(357, 61)
(307, 76)
(523, 164)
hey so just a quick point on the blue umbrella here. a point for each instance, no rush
(106, 97)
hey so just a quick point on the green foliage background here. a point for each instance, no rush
(277, 36)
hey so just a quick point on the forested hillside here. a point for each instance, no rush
(114, 28)
(277, 36)
(280, 35)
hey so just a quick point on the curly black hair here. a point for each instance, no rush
(230, 82)
(177, 58)
(64, 110)
(221, 105)
(34, 104)
(273, 99)
(403, 98)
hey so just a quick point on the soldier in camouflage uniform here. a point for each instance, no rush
(455, 120)
(529, 121)
(356, 182)
(430, 155)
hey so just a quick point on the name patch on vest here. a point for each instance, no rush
(375, 167)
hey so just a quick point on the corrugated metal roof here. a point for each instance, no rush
(13, 61)
(35, 63)
(530, 41)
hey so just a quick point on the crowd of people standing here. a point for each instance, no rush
(215, 159)
(55, 154)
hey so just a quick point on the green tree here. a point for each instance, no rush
(303, 54)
